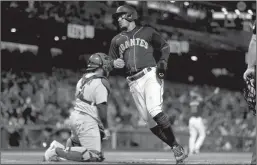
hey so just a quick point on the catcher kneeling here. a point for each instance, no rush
(88, 120)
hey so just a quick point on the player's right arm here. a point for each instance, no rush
(101, 97)
(113, 50)
(114, 53)
(78, 87)
(251, 56)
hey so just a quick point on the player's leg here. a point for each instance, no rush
(153, 92)
(192, 135)
(253, 161)
(202, 134)
(154, 98)
(50, 153)
(136, 90)
(57, 152)
(87, 132)
(73, 140)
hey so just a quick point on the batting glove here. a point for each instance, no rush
(107, 134)
(118, 63)
(161, 69)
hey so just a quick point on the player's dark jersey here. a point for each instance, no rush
(200, 106)
(199, 110)
(136, 48)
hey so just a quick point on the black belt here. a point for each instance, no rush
(139, 75)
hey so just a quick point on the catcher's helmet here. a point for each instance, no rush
(131, 13)
(99, 60)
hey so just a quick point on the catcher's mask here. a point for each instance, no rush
(99, 60)
(249, 92)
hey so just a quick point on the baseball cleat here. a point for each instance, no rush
(179, 154)
(50, 154)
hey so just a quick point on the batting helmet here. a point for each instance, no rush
(131, 13)
(99, 60)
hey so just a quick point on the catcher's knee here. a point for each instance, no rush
(71, 142)
(80, 154)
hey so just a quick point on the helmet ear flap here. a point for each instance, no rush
(129, 16)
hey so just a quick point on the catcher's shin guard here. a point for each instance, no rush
(249, 92)
(80, 154)
(50, 154)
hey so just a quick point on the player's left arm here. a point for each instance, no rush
(252, 52)
(101, 98)
(251, 57)
(161, 45)
(117, 61)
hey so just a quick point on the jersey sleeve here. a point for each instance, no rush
(161, 45)
(78, 87)
(251, 60)
(101, 94)
(113, 50)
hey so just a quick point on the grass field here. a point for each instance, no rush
(137, 157)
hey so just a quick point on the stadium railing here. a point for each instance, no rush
(38, 137)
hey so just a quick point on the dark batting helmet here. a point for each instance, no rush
(131, 13)
(99, 60)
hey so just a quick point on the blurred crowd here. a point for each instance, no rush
(99, 13)
(79, 12)
(46, 99)
(38, 98)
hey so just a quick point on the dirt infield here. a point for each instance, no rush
(124, 157)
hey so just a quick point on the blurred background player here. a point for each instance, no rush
(197, 128)
(89, 117)
(250, 78)
(134, 48)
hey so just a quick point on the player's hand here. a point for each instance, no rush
(107, 134)
(118, 63)
(249, 73)
(217, 90)
(161, 69)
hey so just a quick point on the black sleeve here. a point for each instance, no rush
(161, 45)
(102, 111)
(113, 50)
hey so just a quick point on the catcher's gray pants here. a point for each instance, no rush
(85, 130)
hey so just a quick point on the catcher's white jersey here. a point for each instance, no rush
(84, 126)
(93, 91)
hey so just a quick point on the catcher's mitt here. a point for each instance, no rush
(250, 94)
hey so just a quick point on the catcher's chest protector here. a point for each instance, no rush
(87, 80)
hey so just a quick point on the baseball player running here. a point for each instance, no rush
(134, 49)
(89, 117)
(197, 129)
(250, 79)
